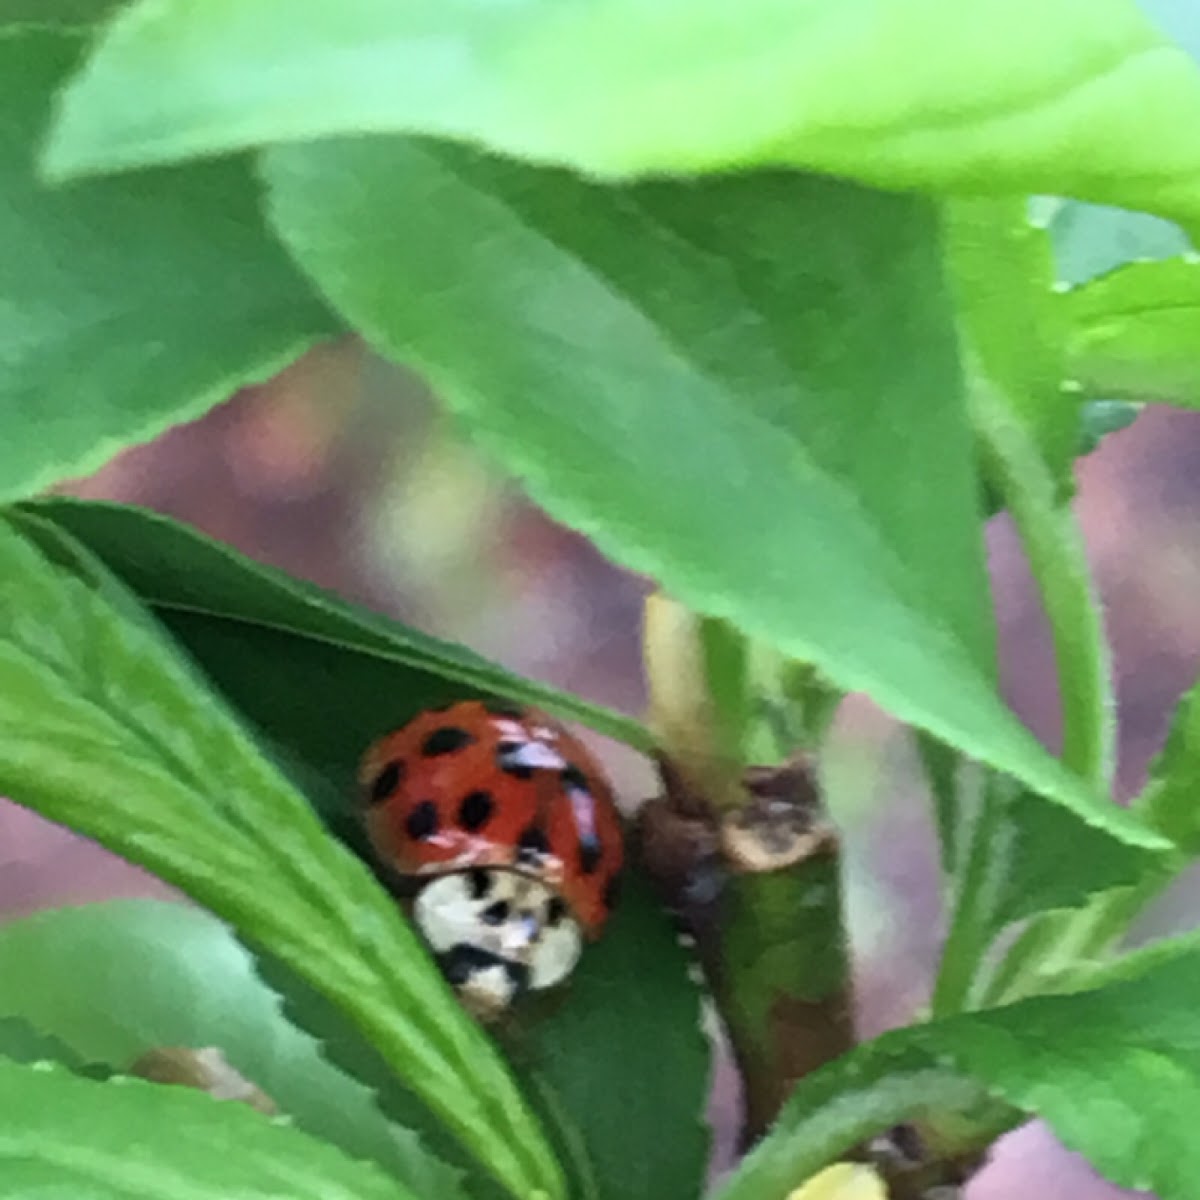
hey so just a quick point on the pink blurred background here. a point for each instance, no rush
(343, 472)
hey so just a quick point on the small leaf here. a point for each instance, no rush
(787, 483)
(1044, 101)
(1003, 270)
(104, 730)
(128, 306)
(1135, 333)
(1115, 1072)
(114, 980)
(63, 1135)
(1040, 877)
(221, 605)
(1171, 800)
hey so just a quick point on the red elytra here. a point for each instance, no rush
(482, 784)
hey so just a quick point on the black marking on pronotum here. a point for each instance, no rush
(496, 913)
(422, 822)
(555, 910)
(480, 882)
(475, 810)
(387, 781)
(464, 960)
(446, 740)
(589, 855)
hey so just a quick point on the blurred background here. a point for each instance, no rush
(343, 471)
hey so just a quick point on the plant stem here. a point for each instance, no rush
(817, 1128)
(1056, 557)
(971, 926)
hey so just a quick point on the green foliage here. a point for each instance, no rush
(1115, 1072)
(103, 728)
(620, 1067)
(129, 305)
(108, 982)
(262, 635)
(786, 484)
(69, 1136)
(1062, 97)
(1133, 332)
(790, 400)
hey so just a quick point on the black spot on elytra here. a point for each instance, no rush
(574, 779)
(422, 822)
(496, 913)
(555, 910)
(533, 842)
(589, 855)
(387, 781)
(475, 810)
(612, 892)
(480, 882)
(504, 708)
(508, 760)
(447, 740)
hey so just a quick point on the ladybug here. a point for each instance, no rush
(504, 829)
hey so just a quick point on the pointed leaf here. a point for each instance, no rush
(63, 1135)
(803, 466)
(114, 980)
(103, 729)
(209, 596)
(1114, 1072)
(1047, 96)
(1135, 333)
(128, 306)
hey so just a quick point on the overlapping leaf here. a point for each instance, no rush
(61, 1135)
(1046, 96)
(111, 981)
(265, 638)
(128, 306)
(1115, 1073)
(1135, 333)
(102, 728)
(261, 634)
(747, 388)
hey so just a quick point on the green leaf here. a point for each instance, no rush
(621, 1063)
(104, 730)
(1135, 333)
(1003, 270)
(113, 980)
(263, 636)
(129, 306)
(1115, 1073)
(631, 989)
(786, 337)
(22, 1042)
(55, 13)
(1171, 800)
(108, 1141)
(1044, 101)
